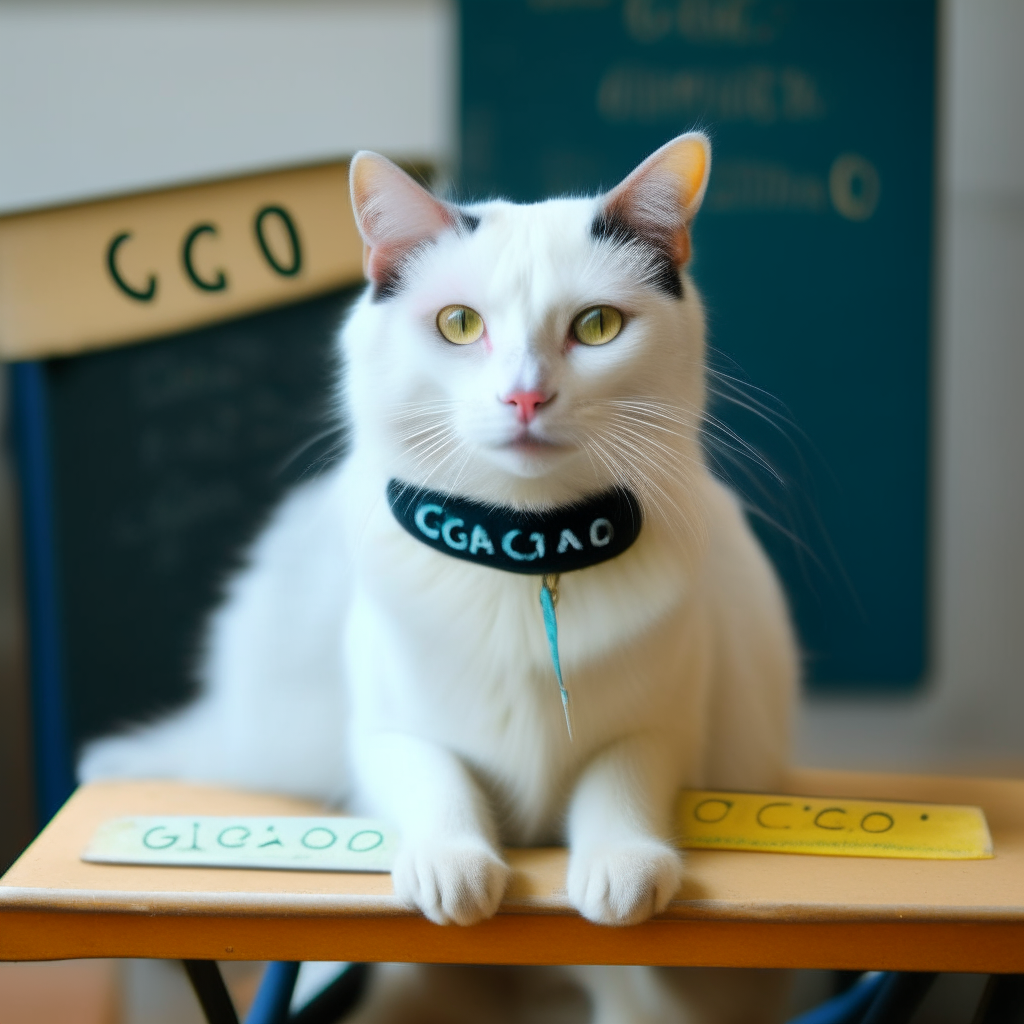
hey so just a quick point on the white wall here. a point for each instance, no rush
(112, 96)
(226, 86)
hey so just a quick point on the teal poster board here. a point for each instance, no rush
(813, 253)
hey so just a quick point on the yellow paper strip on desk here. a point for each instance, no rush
(833, 827)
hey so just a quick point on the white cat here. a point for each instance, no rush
(355, 664)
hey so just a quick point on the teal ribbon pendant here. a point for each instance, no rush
(548, 600)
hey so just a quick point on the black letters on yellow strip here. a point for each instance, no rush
(291, 268)
(140, 295)
(216, 284)
(708, 820)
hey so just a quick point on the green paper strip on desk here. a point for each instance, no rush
(279, 843)
(705, 820)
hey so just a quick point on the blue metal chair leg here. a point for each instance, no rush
(898, 997)
(274, 995)
(337, 1000)
(333, 1004)
(211, 991)
(847, 1006)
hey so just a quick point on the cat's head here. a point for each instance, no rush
(530, 354)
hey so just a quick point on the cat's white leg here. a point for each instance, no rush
(448, 863)
(622, 866)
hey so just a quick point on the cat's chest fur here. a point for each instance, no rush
(458, 653)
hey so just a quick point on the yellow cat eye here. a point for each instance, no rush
(597, 325)
(460, 324)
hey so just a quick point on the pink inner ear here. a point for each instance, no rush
(394, 213)
(648, 203)
(384, 261)
(661, 197)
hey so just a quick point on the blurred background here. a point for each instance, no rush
(98, 99)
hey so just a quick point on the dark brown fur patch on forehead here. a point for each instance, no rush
(661, 269)
(390, 283)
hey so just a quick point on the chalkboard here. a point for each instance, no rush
(145, 471)
(813, 252)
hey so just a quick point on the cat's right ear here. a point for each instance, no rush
(659, 199)
(394, 214)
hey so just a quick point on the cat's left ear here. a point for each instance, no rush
(662, 196)
(394, 214)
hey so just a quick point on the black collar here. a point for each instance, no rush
(533, 543)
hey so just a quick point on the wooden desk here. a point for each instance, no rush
(734, 910)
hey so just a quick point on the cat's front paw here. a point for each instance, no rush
(625, 882)
(454, 881)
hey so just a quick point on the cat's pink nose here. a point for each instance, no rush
(526, 403)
